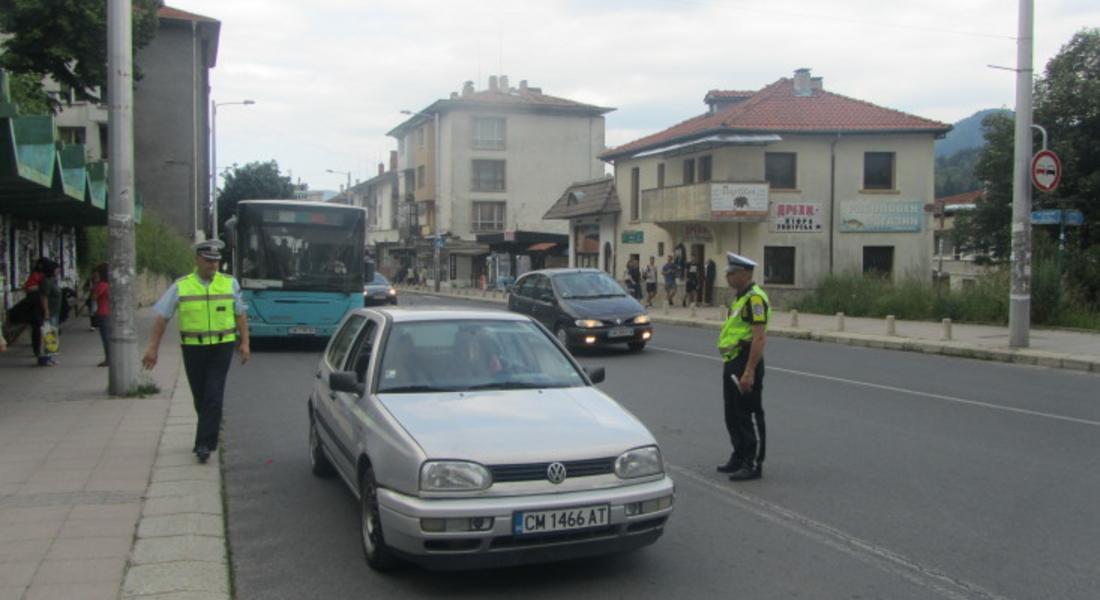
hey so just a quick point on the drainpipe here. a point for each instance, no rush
(832, 199)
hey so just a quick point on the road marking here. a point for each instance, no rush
(890, 388)
(881, 558)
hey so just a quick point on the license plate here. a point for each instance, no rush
(380, 295)
(302, 331)
(620, 332)
(562, 519)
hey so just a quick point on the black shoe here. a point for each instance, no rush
(203, 454)
(747, 473)
(730, 467)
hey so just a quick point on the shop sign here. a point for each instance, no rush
(881, 216)
(633, 237)
(698, 234)
(738, 200)
(796, 217)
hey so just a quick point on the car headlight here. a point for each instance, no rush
(639, 462)
(453, 476)
(641, 319)
(392, 292)
(588, 323)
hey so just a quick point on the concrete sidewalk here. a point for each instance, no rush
(1062, 349)
(100, 497)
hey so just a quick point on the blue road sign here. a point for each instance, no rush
(1046, 217)
(1075, 218)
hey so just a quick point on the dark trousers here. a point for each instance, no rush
(745, 411)
(101, 323)
(207, 368)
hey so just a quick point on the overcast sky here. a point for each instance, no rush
(330, 77)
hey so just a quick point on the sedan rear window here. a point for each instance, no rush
(466, 355)
(587, 284)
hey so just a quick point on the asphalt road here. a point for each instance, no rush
(889, 475)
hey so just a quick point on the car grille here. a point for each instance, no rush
(537, 471)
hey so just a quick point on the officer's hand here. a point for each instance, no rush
(246, 353)
(150, 359)
(747, 380)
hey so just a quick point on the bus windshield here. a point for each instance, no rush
(293, 248)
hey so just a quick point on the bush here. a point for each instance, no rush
(158, 249)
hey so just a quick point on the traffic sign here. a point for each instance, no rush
(1075, 217)
(1046, 217)
(1046, 170)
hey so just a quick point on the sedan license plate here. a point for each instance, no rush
(561, 519)
(302, 330)
(620, 332)
(380, 295)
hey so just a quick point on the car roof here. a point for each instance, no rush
(563, 270)
(405, 315)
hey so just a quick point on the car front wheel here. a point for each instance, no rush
(378, 555)
(318, 461)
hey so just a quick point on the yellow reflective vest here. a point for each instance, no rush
(207, 313)
(751, 308)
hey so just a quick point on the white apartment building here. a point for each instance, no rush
(504, 156)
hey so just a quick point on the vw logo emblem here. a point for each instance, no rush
(618, 321)
(555, 472)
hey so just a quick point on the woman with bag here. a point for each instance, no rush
(101, 299)
(49, 293)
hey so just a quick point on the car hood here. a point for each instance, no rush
(371, 288)
(622, 307)
(518, 426)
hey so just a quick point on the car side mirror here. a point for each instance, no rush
(596, 374)
(345, 381)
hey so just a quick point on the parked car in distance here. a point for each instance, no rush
(583, 307)
(379, 291)
(472, 439)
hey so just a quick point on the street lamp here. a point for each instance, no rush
(214, 157)
(347, 190)
(438, 187)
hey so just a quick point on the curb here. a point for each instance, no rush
(1040, 358)
(179, 549)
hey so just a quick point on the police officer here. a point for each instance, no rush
(741, 344)
(213, 318)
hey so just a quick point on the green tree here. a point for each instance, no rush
(985, 231)
(254, 181)
(955, 173)
(67, 41)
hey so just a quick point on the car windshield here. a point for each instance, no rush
(465, 355)
(587, 284)
(379, 279)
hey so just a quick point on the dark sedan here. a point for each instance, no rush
(379, 291)
(583, 307)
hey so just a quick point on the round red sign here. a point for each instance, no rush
(1046, 170)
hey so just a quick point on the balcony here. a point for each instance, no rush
(724, 201)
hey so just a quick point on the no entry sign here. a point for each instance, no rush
(1046, 171)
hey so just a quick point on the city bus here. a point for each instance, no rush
(301, 265)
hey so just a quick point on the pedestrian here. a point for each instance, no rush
(636, 277)
(213, 319)
(101, 300)
(649, 275)
(741, 344)
(710, 274)
(45, 303)
(628, 277)
(691, 284)
(668, 270)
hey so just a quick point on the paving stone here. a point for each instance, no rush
(71, 591)
(29, 531)
(94, 547)
(181, 524)
(31, 514)
(83, 570)
(98, 528)
(182, 596)
(193, 472)
(210, 504)
(16, 574)
(164, 578)
(24, 550)
(167, 489)
(131, 510)
(179, 548)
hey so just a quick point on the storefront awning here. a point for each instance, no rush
(541, 246)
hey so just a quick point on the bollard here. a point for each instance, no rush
(891, 328)
(692, 310)
(947, 330)
(840, 321)
(794, 318)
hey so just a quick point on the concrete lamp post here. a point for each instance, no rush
(436, 244)
(214, 157)
(347, 190)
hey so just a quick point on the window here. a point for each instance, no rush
(634, 195)
(488, 133)
(661, 175)
(420, 177)
(878, 260)
(488, 176)
(488, 216)
(689, 171)
(71, 135)
(420, 136)
(779, 265)
(780, 170)
(878, 170)
(338, 349)
(363, 352)
(660, 248)
(705, 163)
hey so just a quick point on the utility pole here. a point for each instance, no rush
(122, 346)
(1019, 314)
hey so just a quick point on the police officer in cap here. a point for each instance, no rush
(741, 344)
(213, 320)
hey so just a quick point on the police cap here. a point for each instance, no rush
(736, 262)
(209, 249)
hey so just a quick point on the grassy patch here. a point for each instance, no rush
(157, 247)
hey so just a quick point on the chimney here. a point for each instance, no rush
(467, 89)
(454, 95)
(816, 84)
(492, 83)
(504, 84)
(522, 85)
(393, 160)
(802, 83)
(381, 168)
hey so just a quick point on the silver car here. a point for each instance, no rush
(473, 439)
